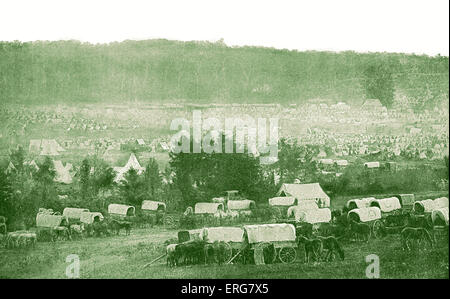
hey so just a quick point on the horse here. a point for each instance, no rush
(100, 227)
(313, 247)
(331, 245)
(419, 221)
(328, 229)
(396, 220)
(190, 252)
(171, 256)
(117, 225)
(410, 234)
(360, 229)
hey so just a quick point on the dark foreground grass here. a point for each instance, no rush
(124, 257)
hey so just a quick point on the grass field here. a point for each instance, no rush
(124, 256)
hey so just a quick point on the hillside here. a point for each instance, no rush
(164, 71)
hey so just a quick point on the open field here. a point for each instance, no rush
(124, 257)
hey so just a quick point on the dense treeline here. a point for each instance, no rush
(161, 70)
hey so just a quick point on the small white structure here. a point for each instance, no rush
(311, 191)
(372, 164)
(286, 201)
(132, 163)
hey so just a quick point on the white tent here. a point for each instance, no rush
(35, 146)
(283, 201)
(62, 173)
(208, 208)
(74, 213)
(314, 216)
(131, 163)
(49, 147)
(306, 192)
(386, 204)
(270, 233)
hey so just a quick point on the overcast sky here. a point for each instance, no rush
(410, 26)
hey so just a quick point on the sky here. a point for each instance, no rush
(408, 26)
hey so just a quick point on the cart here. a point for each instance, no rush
(122, 212)
(370, 215)
(280, 235)
(158, 210)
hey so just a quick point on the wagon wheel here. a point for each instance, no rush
(287, 255)
(228, 254)
(376, 228)
(168, 221)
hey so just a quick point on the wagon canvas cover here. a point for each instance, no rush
(226, 234)
(387, 204)
(441, 213)
(74, 213)
(45, 220)
(361, 202)
(88, 217)
(152, 205)
(270, 233)
(282, 201)
(297, 210)
(245, 204)
(367, 214)
(426, 205)
(208, 207)
(441, 202)
(119, 209)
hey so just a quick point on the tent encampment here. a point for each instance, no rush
(306, 192)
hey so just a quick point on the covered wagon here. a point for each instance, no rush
(315, 216)
(280, 205)
(387, 205)
(295, 212)
(208, 208)
(370, 215)
(244, 207)
(156, 210)
(91, 217)
(359, 203)
(281, 236)
(232, 236)
(428, 205)
(74, 214)
(121, 211)
(406, 200)
(439, 216)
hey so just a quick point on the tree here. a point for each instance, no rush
(45, 177)
(378, 84)
(152, 177)
(132, 188)
(84, 178)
